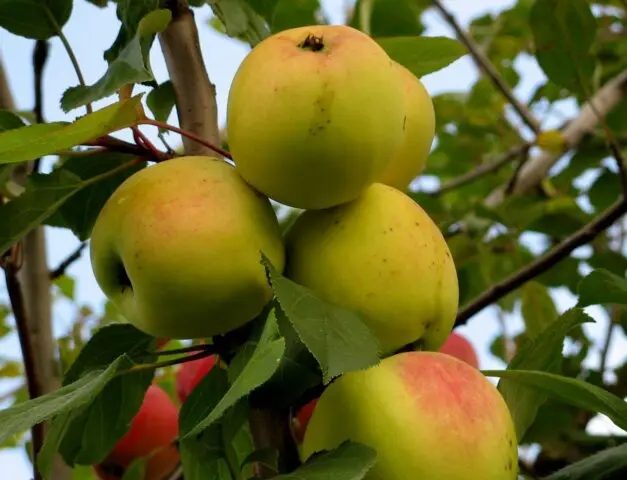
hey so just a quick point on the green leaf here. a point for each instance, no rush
(66, 285)
(69, 397)
(161, 100)
(130, 13)
(254, 368)
(601, 287)
(294, 13)
(605, 464)
(132, 65)
(605, 190)
(538, 308)
(47, 455)
(338, 338)
(423, 55)
(563, 32)
(44, 195)
(35, 19)
(542, 353)
(136, 470)
(240, 20)
(33, 141)
(349, 461)
(79, 212)
(571, 391)
(10, 120)
(388, 18)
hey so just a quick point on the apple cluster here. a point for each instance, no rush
(319, 119)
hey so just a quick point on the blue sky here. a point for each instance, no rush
(90, 31)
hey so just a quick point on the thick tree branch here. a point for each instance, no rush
(483, 169)
(562, 250)
(486, 66)
(195, 94)
(592, 112)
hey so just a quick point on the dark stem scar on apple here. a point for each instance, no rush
(122, 277)
(313, 43)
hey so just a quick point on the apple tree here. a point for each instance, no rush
(285, 292)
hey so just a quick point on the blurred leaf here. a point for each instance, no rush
(570, 391)
(564, 273)
(543, 353)
(563, 32)
(10, 120)
(294, 13)
(422, 55)
(538, 308)
(600, 287)
(66, 285)
(136, 470)
(132, 65)
(605, 190)
(338, 338)
(603, 465)
(36, 20)
(610, 260)
(349, 461)
(388, 18)
(161, 101)
(73, 396)
(130, 14)
(11, 369)
(33, 141)
(240, 20)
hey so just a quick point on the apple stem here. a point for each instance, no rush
(210, 350)
(143, 141)
(191, 136)
(191, 348)
(313, 43)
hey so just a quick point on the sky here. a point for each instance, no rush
(91, 30)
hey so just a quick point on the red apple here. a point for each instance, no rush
(191, 373)
(302, 419)
(458, 346)
(151, 435)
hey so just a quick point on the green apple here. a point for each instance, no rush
(428, 415)
(314, 115)
(177, 248)
(411, 158)
(382, 255)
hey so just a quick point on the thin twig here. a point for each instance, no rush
(483, 169)
(69, 260)
(618, 157)
(484, 64)
(191, 136)
(75, 64)
(40, 56)
(543, 263)
(207, 352)
(33, 381)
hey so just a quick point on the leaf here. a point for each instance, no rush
(338, 338)
(563, 32)
(422, 55)
(10, 120)
(538, 308)
(349, 461)
(258, 366)
(161, 100)
(130, 13)
(383, 18)
(605, 190)
(34, 19)
(542, 353)
(240, 20)
(79, 212)
(132, 65)
(605, 464)
(69, 397)
(66, 285)
(33, 141)
(44, 195)
(47, 454)
(601, 287)
(571, 391)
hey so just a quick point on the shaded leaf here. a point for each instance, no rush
(603, 465)
(10, 120)
(600, 287)
(38, 20)
(240, 20)
(538, 308)
(388, 18)
(161, 100)
(294, 13)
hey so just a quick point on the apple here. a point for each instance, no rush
(411, 158)
(301, 420)
(190, 373)
(383, 256)
(429, 416)
(458, 346)
(314, 115)
(150, 436)
(177, 248)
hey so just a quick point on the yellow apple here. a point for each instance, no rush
(411, 158)
(428, 415)
(177, 248)
(314, 115)
(382, 255)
